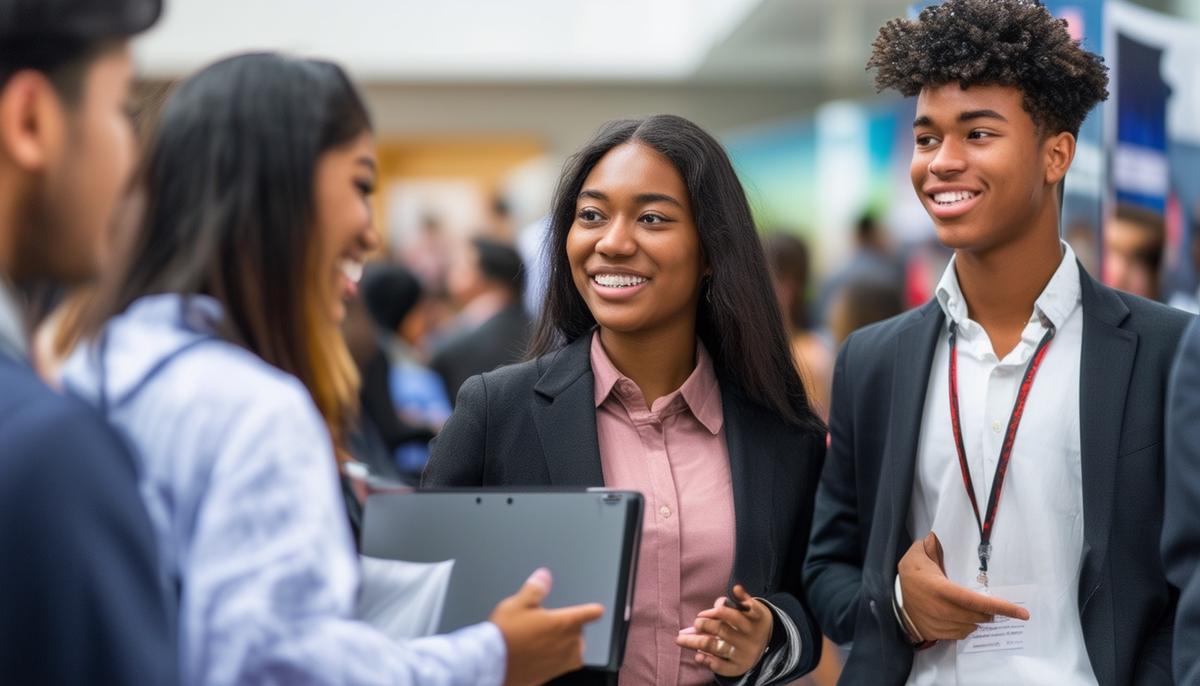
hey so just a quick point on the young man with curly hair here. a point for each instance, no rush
(991, 502)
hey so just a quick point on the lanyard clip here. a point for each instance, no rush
(985, 553)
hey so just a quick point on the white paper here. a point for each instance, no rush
(1004, 634)
(404, 600)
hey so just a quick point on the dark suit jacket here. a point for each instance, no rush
(860, 531)
(1181, 524)
(534, 424)
(81, 597)
(498, 341)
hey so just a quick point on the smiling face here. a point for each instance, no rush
(983, 170)
(344, 180)
(634, 249)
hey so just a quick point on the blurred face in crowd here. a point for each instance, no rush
(634, 250)
(1132, 251)
(464, 279)
(345, 180)
(77, 154)
(981, 167)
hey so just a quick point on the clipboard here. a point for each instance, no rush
(587, 538)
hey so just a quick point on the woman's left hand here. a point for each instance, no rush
(727, 641)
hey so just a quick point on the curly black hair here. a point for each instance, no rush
(1015, 43)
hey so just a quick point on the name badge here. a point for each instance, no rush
(1005, 634)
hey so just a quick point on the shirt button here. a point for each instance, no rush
(996, 426)
(664, 511)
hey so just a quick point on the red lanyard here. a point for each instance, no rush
(986, 522)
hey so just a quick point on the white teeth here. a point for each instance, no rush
(352, 269)
(952, 197)
(619, 280)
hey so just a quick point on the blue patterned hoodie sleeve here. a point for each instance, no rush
(272, 576)
(239, 478)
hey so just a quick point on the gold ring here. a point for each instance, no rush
(720, 647)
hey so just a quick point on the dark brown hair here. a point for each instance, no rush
(228, 185)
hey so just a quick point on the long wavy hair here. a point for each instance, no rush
(228, 185)
(738, 319)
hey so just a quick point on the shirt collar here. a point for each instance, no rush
(700, 392)
(1056, 302)
(13, 336)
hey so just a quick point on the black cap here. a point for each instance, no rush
(44, 34)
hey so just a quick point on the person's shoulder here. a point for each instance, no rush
(452, 342)
(32, 411)
(233, 376)
(510, 316)
(1154, 318)
(223, 384)
(874, 339)
(513, 379)
(518, 380)
(20, 384)
(52, 442)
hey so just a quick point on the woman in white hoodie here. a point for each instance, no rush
(220, 360)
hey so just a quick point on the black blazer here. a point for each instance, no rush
(498, 341)
(81, 594)
(534, 424)
(860, 531)
(1181, 525)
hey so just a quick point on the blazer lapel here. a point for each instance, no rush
(564, 412)
(753, 491)
(1106, 363)
(914, 361)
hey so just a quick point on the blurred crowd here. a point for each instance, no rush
(210, 357)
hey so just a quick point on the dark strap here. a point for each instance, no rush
(149, 376)
(988, 520)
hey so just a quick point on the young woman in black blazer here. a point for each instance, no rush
(654, 252)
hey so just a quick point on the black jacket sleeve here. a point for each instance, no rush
(833, 570)
(1181, 525)
(457, 454)
(791, 599)
(82, 597)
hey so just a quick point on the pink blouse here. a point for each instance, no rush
(674, 454)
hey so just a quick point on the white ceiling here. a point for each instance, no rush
(817, 44)
(811, 42)
(448, 40)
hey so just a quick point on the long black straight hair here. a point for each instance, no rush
(738, 320)
(228, 184)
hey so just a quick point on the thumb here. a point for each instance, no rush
(933, 549)
(536, 588)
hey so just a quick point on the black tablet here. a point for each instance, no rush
(588, 539)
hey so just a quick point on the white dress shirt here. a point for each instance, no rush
(1037, 539)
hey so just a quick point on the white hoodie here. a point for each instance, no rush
(239, 476)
